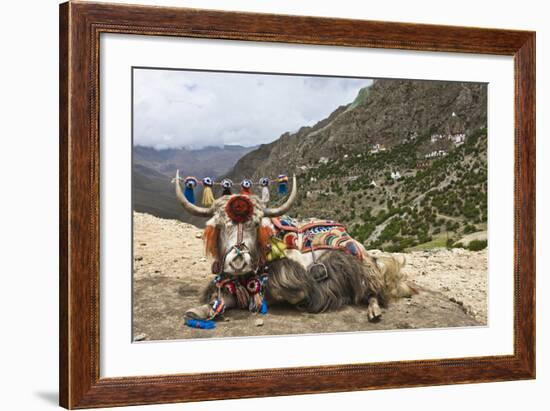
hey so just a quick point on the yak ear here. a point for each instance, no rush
(265, 233)
(211, 234)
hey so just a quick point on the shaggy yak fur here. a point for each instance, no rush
(350, 282)
(370, 280)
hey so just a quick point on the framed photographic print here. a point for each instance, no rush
(257, 205)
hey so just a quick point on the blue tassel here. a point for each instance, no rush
(283, 184)
(263, 309)
(189, 194)
(201, 324)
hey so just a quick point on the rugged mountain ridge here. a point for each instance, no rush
(391, 164)
(387, 112)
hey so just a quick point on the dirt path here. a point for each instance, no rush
(170, 269)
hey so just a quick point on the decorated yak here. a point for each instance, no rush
(261, 257)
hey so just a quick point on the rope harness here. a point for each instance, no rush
(249, 290)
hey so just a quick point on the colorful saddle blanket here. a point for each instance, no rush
(314, 235)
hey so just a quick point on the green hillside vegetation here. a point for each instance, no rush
(361, 97)
(432, 206)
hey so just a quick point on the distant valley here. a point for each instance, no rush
(153, 171)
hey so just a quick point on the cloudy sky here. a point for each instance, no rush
(175, 108)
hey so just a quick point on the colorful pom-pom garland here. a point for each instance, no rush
(190, 184)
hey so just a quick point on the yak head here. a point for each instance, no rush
(238, 232)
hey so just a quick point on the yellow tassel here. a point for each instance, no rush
(207, 196)
(277, 252)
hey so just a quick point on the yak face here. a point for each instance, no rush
(239, 255)
(239, 228)
(231, 235)
(238, 235)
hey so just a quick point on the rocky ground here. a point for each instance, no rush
(170, 269)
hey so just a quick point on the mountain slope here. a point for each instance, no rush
(386, 113)
(390, 127)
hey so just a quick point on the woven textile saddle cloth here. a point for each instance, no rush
(309, 235)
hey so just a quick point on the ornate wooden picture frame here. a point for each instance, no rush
(81, 25)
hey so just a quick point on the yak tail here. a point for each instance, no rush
(395, 284)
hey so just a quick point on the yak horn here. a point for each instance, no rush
(190, 207)
(279, 211)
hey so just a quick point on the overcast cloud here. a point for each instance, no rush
(175, 108)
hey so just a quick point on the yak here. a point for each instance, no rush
(254, 268)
